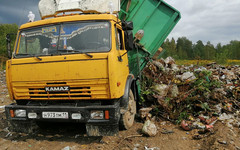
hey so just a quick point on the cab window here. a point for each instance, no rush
(119, 39)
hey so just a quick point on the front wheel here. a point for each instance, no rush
(127, 119)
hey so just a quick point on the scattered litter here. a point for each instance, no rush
(144, 112)
(154, 148)
(8, 132)
(209, 127)
(163, 123)
(161, 89)
(211, 120)
(174, 91)
(198, 125)
(222, 142)
(136, 146)
(169, 61)
(184, 138)
(165, 131)
(66, 148)
(196, 97)
(186, 125)
(188, 76)
(224, 116)
(149, 128)
(197, 137)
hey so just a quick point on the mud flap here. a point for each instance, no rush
(22, 126)
(102, 130)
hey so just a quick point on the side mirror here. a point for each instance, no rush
(9, 51)
(128, 40)
(127, 25)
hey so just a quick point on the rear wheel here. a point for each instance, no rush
(127, 119)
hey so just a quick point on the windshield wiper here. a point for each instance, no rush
(38, 57)
(89, 55)
(25, 54)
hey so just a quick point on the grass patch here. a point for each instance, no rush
(233, 62)
(205, 62)
(3, 67)
(3, 63)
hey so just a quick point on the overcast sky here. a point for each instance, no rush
(206, 20)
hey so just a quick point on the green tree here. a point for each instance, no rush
(184, 48)
(209, 51)
(4, 30)
(234, 49)
(219, 47)
(170, 47)
(198, 50)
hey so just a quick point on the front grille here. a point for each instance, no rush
(77, 92)
(85, 89)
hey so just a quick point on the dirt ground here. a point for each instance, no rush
(58, 136)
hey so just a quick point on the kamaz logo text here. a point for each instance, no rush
(57, 89)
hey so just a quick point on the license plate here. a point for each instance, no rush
(56, 115)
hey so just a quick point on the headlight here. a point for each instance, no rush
(76, 116)
(32, 115)
(20, 113)
(97, 114)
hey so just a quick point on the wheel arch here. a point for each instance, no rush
(130, 84)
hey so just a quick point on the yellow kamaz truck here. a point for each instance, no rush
(85, 66)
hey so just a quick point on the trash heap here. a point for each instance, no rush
(193, 96)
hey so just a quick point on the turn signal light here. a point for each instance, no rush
(12, 113)
(106, 114)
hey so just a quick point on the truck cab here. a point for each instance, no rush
(73, 69)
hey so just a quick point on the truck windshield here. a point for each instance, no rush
(80, 37)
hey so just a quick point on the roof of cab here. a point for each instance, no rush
(69, 19)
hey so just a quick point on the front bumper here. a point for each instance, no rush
(114, 113)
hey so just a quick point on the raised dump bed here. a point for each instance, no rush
(157, 19)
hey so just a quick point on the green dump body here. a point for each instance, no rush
(157, 19)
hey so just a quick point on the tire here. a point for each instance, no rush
(127, 119)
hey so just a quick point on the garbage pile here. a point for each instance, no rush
(193, 96)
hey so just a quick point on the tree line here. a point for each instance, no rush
(4, 30)
(184, 48)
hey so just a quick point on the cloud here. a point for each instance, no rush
(16, 11)
(206, 20)
(215, 20)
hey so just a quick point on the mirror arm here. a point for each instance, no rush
(120, 57)
(8, 40)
